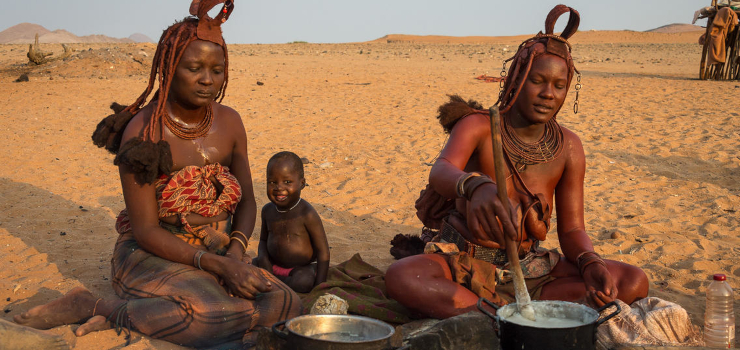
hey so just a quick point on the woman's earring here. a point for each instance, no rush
(578, 89)
(502, 82)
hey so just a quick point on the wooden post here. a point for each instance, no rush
(736, 57)
(733, 54)
(703, 69)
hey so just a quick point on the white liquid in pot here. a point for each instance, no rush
(543, 321)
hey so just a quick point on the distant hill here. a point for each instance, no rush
(141, 38)
(25, 33)
(676, 28)
(672, 33)
(444, 39)
(57, 36)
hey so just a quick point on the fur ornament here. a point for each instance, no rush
(145, 158)
(406, 245)
(109, 131)
(456, 109)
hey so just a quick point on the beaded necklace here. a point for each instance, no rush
(193, 133)
(291, 208)
(522, 154)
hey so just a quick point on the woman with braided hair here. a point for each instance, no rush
(180, 267)
(545, 167)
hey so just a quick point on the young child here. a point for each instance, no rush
(292, 236)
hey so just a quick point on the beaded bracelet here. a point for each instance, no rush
(587, 258)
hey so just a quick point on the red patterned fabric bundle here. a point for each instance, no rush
(193, 190)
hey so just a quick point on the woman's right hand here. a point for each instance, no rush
(241, 279)
(484, 212)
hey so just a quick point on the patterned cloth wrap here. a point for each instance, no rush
(194, 190)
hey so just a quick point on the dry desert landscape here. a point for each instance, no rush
(662, 183)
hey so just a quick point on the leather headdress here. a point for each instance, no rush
(542, 43)
(209, 29)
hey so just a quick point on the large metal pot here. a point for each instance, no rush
(335, 332)
(516, 335)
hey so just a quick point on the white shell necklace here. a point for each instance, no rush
(291, 208)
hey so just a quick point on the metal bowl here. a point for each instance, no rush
(335, 332)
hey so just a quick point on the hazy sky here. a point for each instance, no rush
(331, 21)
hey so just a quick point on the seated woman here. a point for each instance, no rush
(180, 267)
(545, 160)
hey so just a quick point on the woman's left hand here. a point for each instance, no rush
(600, 286)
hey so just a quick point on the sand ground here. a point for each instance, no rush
(662, 185)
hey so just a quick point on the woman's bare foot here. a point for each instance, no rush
(74, 307)
(94, 324)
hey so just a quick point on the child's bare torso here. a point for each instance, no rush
(288, 243)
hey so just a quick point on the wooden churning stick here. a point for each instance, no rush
(523, 302)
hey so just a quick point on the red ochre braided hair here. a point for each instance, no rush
(145, 157)
(521, 63)
(540, 44)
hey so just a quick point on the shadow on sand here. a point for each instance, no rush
(67, 237)
(78, 241)
(684, 168)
